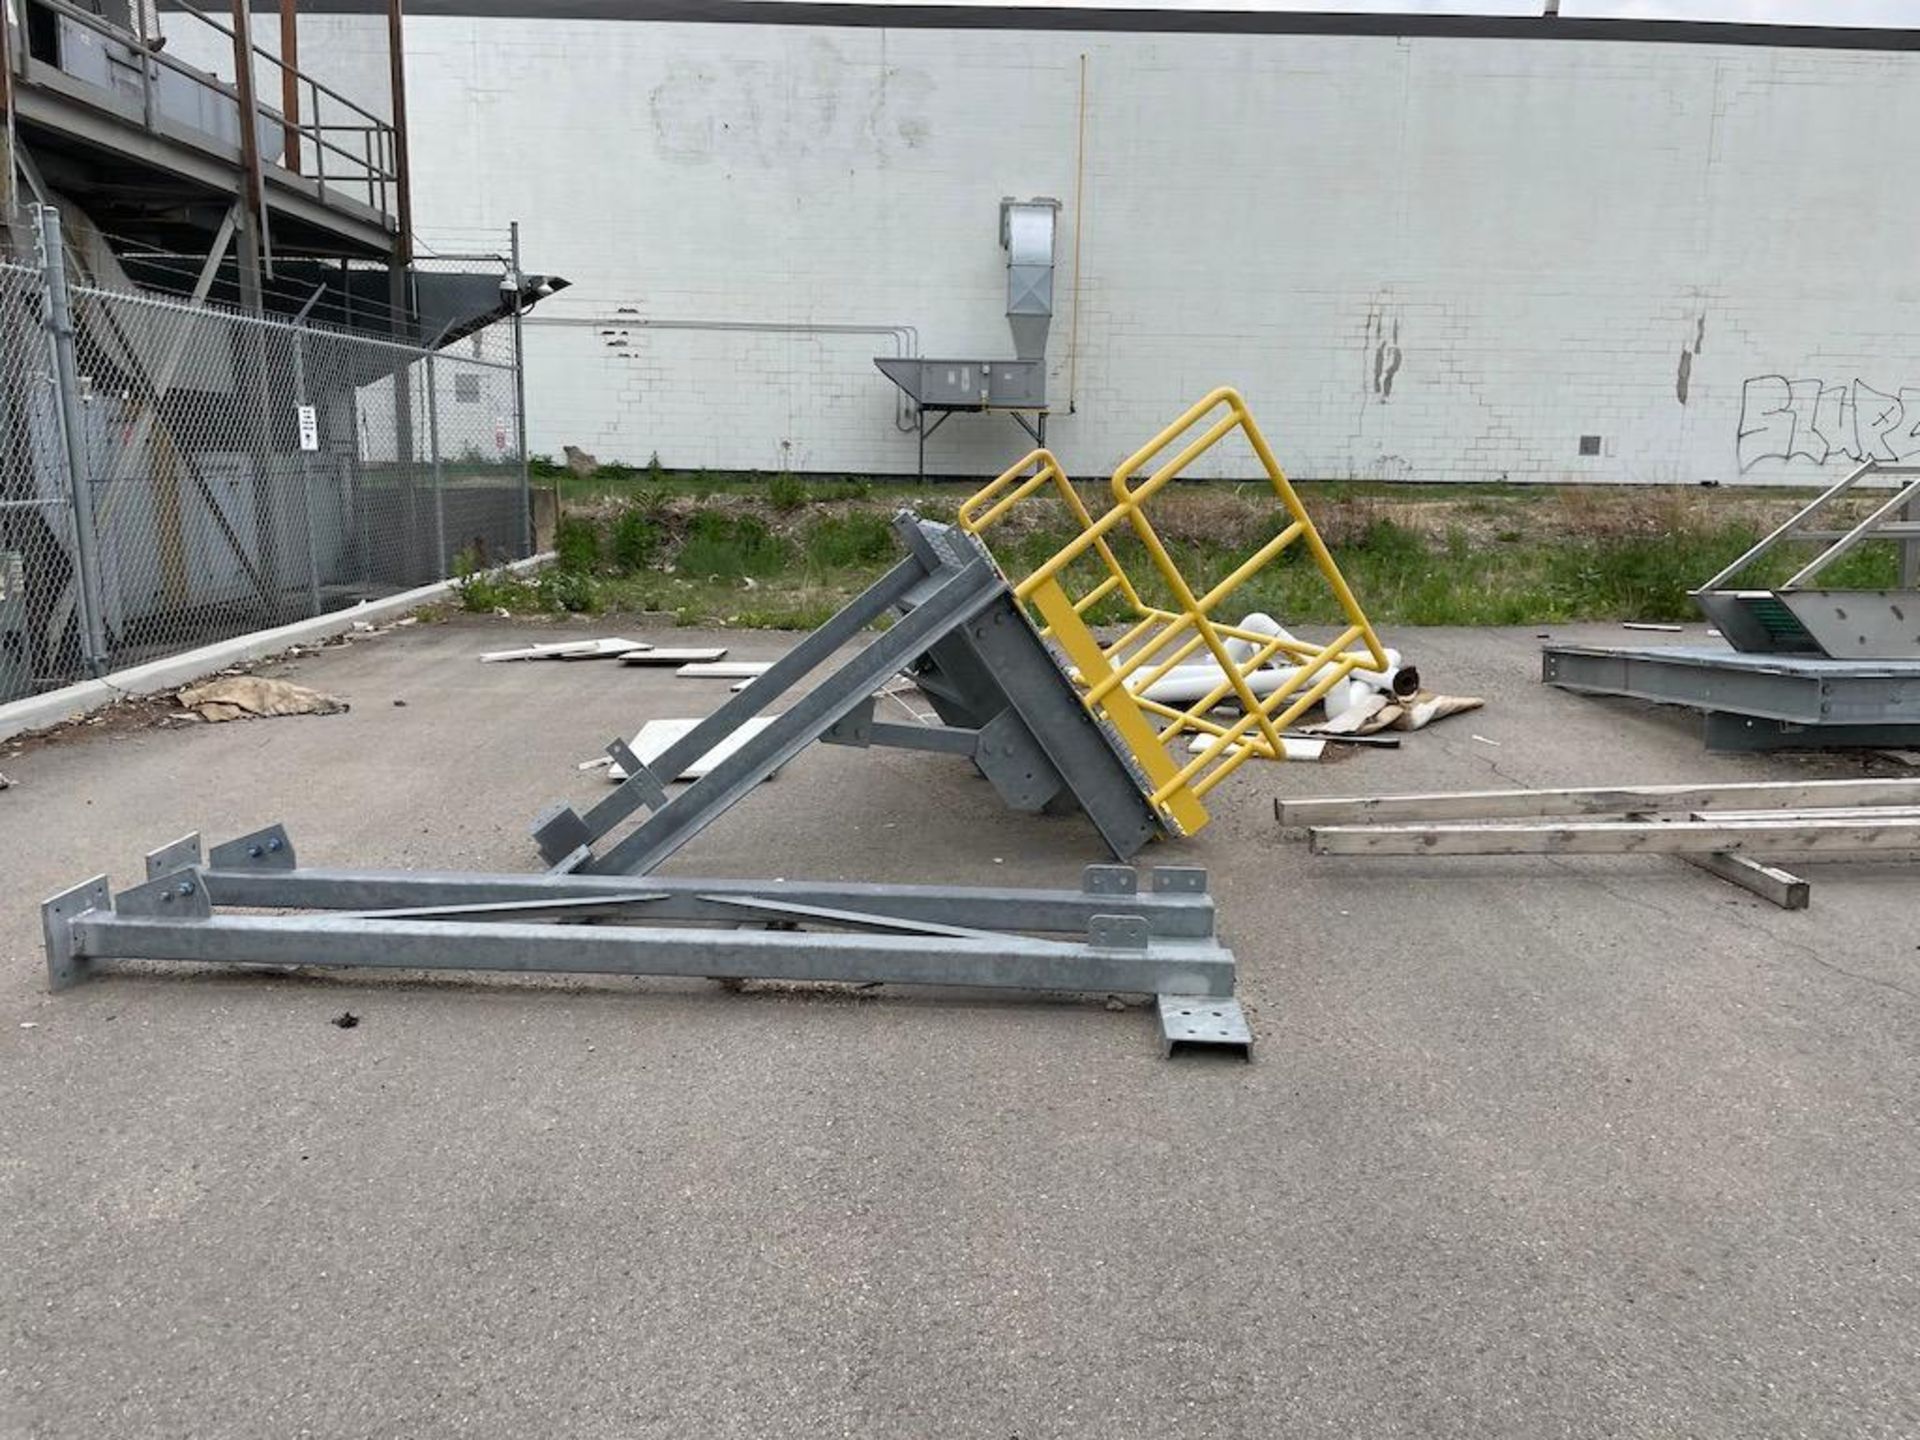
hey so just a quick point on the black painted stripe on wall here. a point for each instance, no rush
(1163, 22)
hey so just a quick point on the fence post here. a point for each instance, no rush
(66, 388)
(306, 471)
(439, 495)
(520, 397)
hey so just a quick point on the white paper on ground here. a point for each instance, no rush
(656, 737)
(725, 669)
(674, 657)
(553, 651)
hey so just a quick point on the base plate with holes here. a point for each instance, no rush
(1195, 1021)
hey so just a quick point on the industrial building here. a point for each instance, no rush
(1543, 249)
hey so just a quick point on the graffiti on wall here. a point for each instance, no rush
(1782, 419)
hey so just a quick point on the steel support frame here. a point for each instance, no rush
(957, 631)
(1003, 750)
(1754, 701)
(1109, 936)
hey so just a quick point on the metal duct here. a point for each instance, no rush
(1026, 234)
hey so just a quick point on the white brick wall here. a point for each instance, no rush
(1525, 242)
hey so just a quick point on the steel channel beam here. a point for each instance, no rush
(1804, 691)
(939, 739)
(1004, 961)
(1740, 734)
(955, 600)
(1169, 914)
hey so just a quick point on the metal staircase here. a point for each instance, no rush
(1808, 665)
(1799, 617)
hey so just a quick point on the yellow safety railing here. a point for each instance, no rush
(1114, 676)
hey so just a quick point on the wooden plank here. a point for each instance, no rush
(1769, 882)
(1605, 800)
(1615, 837)
(1834, 812)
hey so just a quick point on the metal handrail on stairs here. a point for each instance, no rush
(1876, 525)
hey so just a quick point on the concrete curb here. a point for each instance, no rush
(37, 712)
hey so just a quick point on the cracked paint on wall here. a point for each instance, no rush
(1383, 343)
(1683, 378)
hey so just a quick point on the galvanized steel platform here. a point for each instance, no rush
(1754, 701)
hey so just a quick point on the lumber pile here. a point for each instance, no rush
(1721, 828)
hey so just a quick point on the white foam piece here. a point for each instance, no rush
(725, 669)
(606, 650)
(656, 737)
(559, 649)
(669, 656)
(1293, 747)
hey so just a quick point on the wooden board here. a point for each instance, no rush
(1769, 882)
(1825, 812)
(1615, 800)
(1615, 837)
(685, 656)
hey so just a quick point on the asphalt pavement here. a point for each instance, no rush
(1529, 1147)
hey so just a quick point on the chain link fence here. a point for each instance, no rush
(174, 474)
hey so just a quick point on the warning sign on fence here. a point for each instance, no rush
(309, 428)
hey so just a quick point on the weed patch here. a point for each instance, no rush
(1414, 554)
(728, 546)
(862, 538)
(635, 538)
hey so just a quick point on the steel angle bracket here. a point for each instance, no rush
(268, 849)
(181, 895)
(1199, 1022)
(66, 965)
(180, 854)
(1003, 750)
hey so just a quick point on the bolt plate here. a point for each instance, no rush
(1179, 880)
(175, 855)
(64, 965)
(1118, 932)
(179, 896)
(1199, 1022)
(267, 849)
(1110, 880)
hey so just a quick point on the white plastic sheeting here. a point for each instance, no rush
(1186, 684)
